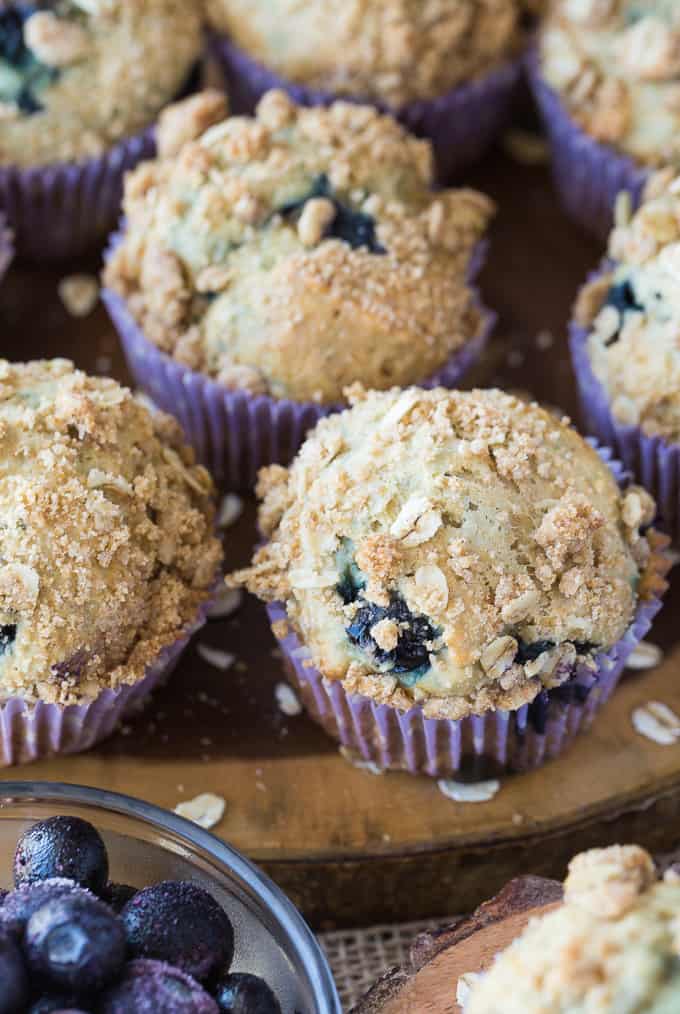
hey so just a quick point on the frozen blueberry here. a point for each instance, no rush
(241, 993)
(153, 987)
(118, 895)
(13, 978)
(21, 903)
(411, 658)
(62, 847)
(75, 943)
(180, 923)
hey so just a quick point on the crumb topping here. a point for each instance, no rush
(106, 538)
(79, 76)
(394, 51)
(455, 549)
(633, 314)
(613, 947)
(616, 65)
(299, 251)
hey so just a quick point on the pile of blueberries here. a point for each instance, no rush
(72, 942)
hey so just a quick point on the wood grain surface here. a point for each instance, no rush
(348, 846)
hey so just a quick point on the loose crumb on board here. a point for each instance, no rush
(206, 810)
(216, 657)
(358, 762)
(656, 721)
(231, 509)
(462, 792)
(645, 655)
(287, 700)
(79, 294)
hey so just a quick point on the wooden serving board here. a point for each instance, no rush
(348, 846)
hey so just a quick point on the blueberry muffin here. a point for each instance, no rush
(462, 552)
(296, 252)
(108, 551)
(612, 947)
(76, 76)
(616, 66)
(392, 51)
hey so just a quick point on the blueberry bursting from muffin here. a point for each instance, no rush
(22, 76)
(70, 939)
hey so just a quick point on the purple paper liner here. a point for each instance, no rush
(653, 460)
(31, 732)
(461, 124)
(65, 209)
(478, 745)
(588, 175)
(235, 433)
(6, 247)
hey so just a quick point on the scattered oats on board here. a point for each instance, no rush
(358, 762)
(464, 986)
(79, 294)
(231, 509)
(205, 810)
(216, 657)
(475, 792)
(287, 700)
(644, 655)
(656, 721)
(224, 603)
(545, 340)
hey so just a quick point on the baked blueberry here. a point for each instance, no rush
(411, 658)
(62, 847)
(349, 225)
(242, 993)
(179, 923)
(118, 895)
(8, 633)
(21, 903)
(154, 987)
(24, 77)
(13, 978)
(75, 943)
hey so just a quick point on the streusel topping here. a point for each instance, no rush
(613, 947)
(616, 65)
(390, 50)
(633, 314)
(299, 251)
(78, 75)
(106, 539)
(456, 549)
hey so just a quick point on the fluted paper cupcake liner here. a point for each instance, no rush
(235, 433)
(6, 246)
(588, 175)
(461, 124)
(477, 746)
(29, 732)
(653, 460)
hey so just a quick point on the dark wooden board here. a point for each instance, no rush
(348, 846)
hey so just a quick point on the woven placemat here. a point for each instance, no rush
(359, 957)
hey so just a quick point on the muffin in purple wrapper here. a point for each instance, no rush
(606, 78)
(277, 260)
(450, 77)
(624, 346)
(108, 556)
(80, 88)
(456, 579)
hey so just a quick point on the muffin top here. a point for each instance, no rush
(633, 314)
(392, 51)
(613, 947)
(616, 64)
(106, 541)
(297, 252)
(454, 549)
(78, 75)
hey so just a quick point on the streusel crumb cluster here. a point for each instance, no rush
(461, 550)
(298, 251)
(107, 547)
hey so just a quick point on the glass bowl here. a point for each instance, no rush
(147, 844)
